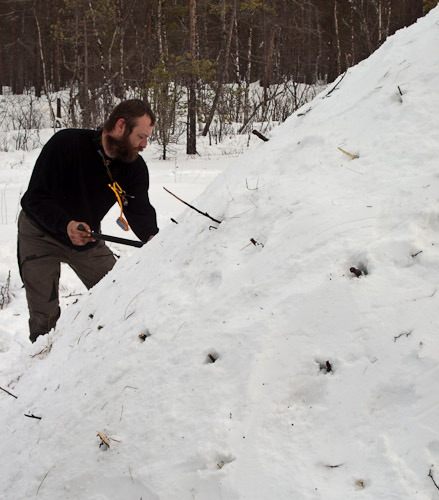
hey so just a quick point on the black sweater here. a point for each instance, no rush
(70, 182)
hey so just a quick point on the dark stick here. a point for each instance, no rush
(32, 416)
(430, 474)
(258, 134)
(193, 208)
(336, 85)
(7, 392)
(356, 271)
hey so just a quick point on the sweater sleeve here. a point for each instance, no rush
(140, 214)
(49, 185)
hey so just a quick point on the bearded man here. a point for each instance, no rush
(77, 178)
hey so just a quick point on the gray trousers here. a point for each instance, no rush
(39, 258)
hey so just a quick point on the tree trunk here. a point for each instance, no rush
(107, 94)
(121, 51)
(159, 27)
(56, 60)
(37, 75)
(222, 71)
(85, 87)
(337, 38)
(191, 143)
(269, 62)
(161, 30)
(43, 64)
(248, 74)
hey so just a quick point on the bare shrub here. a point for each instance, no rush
(22, 117)
(5, 294)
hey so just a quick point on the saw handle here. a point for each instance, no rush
(113, 239)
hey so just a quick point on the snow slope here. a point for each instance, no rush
(324, 384)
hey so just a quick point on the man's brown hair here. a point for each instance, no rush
(129, 110)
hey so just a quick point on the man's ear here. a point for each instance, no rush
(120, 126)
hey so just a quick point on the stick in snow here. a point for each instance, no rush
(258, 134)
(430, 474)
(356, 271)
(193, 208)
(104, 439)
(32, 416)
(7, 392)
(354, 157)
(47, 473)
(336, 85)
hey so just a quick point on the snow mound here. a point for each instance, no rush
(266, 368)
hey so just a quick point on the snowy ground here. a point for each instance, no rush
(323, 385)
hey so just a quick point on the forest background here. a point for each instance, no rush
(203, 64)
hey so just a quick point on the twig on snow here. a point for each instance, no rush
(125, 317)
(407, 334)
(104, 439)
(430, 474)
(89, 331)
(72, 295)
(354, 157)
(45, 350)
(32, 416)
(10, 393)
(252, 189)
(356, 271)
(256, 243)
(427, 297)
(261, 136)
(193, 208)
(48, 472)
(336, 85)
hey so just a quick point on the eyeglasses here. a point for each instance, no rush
(121, 196)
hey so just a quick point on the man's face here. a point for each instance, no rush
(129, 145)
(139, 136)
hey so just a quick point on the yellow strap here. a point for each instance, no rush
(117, 189)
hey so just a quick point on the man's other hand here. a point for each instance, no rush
(79, 237)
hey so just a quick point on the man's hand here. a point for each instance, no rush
(79, 237)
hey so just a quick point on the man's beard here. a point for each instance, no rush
(122, 149)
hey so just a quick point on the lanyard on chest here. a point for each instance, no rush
(121, 195)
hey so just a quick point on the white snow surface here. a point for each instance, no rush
(266, 420)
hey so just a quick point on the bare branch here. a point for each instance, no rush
(354, 157)
(430, 474)
(261, 136)
(193, 208)
(32, 416)
(7, 392)
(48, 472)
